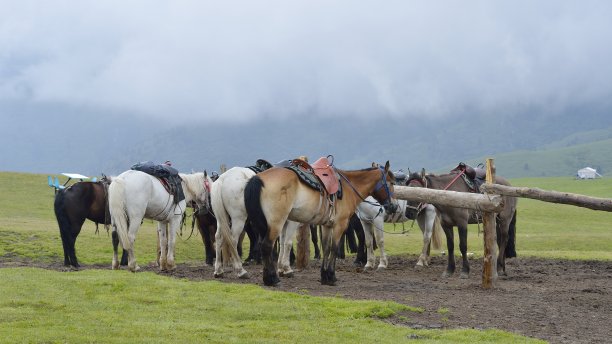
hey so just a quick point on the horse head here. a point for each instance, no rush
(202, 190)
(383, 192)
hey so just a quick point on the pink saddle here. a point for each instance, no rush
(326, 173)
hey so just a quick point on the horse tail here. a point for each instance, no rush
(436, 235)
(64, 224)
(118, 211)
(252, 202)
(510, 251)
(228, 250)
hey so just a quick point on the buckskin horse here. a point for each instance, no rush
(460, 217)
(278, 194)
(79, 202)
(228, 205)
(135, 195)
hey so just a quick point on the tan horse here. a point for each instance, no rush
(277, 195)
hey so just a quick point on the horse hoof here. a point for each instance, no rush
(367, 268)
(218, 275)
(244, 275)
(447, 274)
(381, 268)
(330, 283)
(464, 275)
(287, 274)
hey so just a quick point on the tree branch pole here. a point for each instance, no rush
(467, 200)
(593, 203)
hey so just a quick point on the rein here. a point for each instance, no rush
(382, 181)
(454, 179)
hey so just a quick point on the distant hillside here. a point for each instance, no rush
(553, 161)
(525, 141)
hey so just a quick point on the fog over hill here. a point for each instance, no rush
(94, 87)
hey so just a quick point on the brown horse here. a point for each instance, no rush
(75, 204)
(277, 195)
(460, 217)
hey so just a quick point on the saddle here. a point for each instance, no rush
(473, 177)
(400, 177)
(260, 166)
(319, 176)
(167, 175)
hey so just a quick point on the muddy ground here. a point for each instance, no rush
(556, 300)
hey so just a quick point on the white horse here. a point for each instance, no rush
(373, 217)
(227, 202)
(135, 195)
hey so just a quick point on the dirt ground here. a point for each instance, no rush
(556, 300)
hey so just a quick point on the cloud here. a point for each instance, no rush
(236, 60)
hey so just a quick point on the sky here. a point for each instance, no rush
(235, 61)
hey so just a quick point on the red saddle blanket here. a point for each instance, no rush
(326, 173)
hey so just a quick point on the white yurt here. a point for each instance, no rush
(587, 173)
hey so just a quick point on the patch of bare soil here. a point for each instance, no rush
(557, 300)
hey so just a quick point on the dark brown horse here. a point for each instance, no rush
(460, 217)
(277, 195)
(75, 204)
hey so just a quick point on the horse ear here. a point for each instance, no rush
(387, 166)
(423, 173)
(205, 174)
(374, 164)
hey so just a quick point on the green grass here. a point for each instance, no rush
(116, 306)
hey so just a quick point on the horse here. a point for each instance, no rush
(460, 217)
(371, 219)
(277, 195)
(135, 195)
(75, 204)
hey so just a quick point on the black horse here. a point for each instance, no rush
(460, 217)
(75, 204)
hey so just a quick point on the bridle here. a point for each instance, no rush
(382, 183)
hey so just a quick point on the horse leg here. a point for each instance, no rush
(315, 240)
(369, 244)
(71, 240)
(330, 239)
(426, 224)
(254, 252)
(502, 242)
(132, 230)
(465, 268)
(450, 246)
(218, 259)
(115, 239)
(286, 243)
(162, 235)
(379, 235)
(172, 227)
(361, 257)
(237, 230)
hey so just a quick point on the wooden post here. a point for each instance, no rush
(222, 169)
(489, 267)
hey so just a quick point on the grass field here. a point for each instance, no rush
(88, 306)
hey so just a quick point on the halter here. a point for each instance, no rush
(381, 183)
